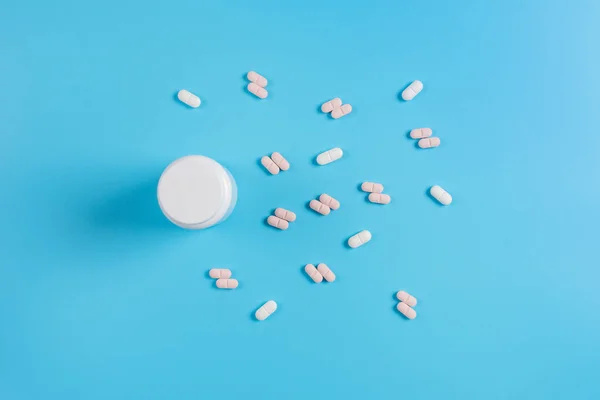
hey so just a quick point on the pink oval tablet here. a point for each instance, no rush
(285, 214)
(429, 142)
(379, 198)
(372, 187)
(313, 273)
(326, 272)
(341, 111)
(257, 78)
(227, 283)
(329, 201)
(257, 90)
(280, 161)
(269, 165)
(331, 105)
(419, 133)
(319, 207)
(406, 298)
(278, 223)
(218, 273)
(406, 310)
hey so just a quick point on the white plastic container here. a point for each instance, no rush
(196, 192)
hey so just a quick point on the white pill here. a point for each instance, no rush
(329, 156)
(269, 165)
(440, 195)
(219, 273)
(420, 133)
(379, 198)
(330, 105)
(313, 273)
(412, 90)
(267, 309)
(359, 239)
(319, 207)
(406, 298)
(329, 201)
(257, 78)
(188, 98)
(371, 187)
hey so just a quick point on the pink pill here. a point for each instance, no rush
(278, 223)
(379, 198)
(227, 283)
(257, 78)
(269, 165)
(257, 90)
(406, 298)
(372, 187)
(313, 273)
(331, 105)
(329, 201)
(280, 161)
(328, 274)
(285, 214)
(420, 133)
(406, 310)
(319, 207)
(218, 273)
(429, 142)
(341, 111)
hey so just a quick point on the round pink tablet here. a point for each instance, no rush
(227, 283)
(379, 198)
(313, 273)
(280, 161)
(257, 90)
(218, 273)
(329, 201)
(269, 165)
(285, 214)
(341, 111)
(257, 78)
(406, 298)
(429, 142)
(372, 187)
(419, 133)
(331, 105)
(278, 223)
(319, 207)
(326, 272)
(406, 310)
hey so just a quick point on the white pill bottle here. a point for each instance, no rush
(196, 192)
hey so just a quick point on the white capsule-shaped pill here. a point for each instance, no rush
(379, 198)
(227, 283)
(339, 112)
(359, 239)
(371, 187)
(329, 201)
(257, 78)
(440, 195)
(269, 165)
(412, 90)
(189, 98)
(257, 90)
(406, 298)
(429, 142)
(330, 105)
(278, 223)
(313, 273)
(281, 162)
(267, 309)
(285, 214)
(219, 273)
(319, 207)
(419, 133)
(406, 310)
(329, 156)
(328, 274)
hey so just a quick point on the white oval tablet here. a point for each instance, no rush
(412, 90)
(189, 98)
(330, 156)
(441, 195)
(359, 239)
(267, 309)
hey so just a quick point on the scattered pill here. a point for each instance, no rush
(412, 90)
(278, 223)
(280, 161)
(319, 207)
(329, 201)
(269, 165)
(257, 78)
(419, 133)
(379, 198)
(341, 111)
(267, 309)
(285, 214)
(359, 239)
(372, 187)
(218, 273)
(257, 90)
(330, 156)
(429, 142)
(328, 274)
(227, 283)
(188, 98)
(332, 104)
(313, 273)
(440, 195)
(406, 298)
(406, 310)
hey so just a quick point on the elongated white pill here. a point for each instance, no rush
(257, 78)
(280, 161)
(429, 142)
(285, 214)
(313, 273)
(329, 201)
(278, 223)
(269, 165)
(219, 273)
(379, 198)
(329, 156)
(267, 309)
(406, 310)
(440, 195)
(257, 90)
(319, 207)
(189, 98)
(359, 239)
(328, 274)
(420, 133)
(406, 298)
(412, 90)
(332, 104)
(372, 187)
(339, 112)
(227, 283)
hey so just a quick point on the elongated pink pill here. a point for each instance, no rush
(420, 133)
(372, 187)
(329, 201)
(406, 310)
(285, 214)
(313, 273)
(257, 78)
(269, 165)
(257, 90)
(280, 161)
(219, 273)
(379, 198)
(278, 223)
(328, 274)
(429, 142)
(406, 298)
(341, 111)
(331, 105)
(319, 207)
(227, 283)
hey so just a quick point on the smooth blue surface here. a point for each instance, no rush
(101, 298)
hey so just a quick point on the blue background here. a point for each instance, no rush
(102, 298)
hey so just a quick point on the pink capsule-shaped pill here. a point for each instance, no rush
(219, 273)
(371, 187)
(227, 283)
(379, 198)
(257, 90)
(269, 165)
(341, 111)
(285, 214)
(406, 310)
(331, 105)
(319, 207)
(280, 161)
(429, 142)
(257, 78)
(420, 133)
(406, 298)
(313, 273)
(278, 223)
(329, 201)
(324, 270)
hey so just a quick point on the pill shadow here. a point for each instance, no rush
(428, 194)
(314, 162)
(345, 243)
